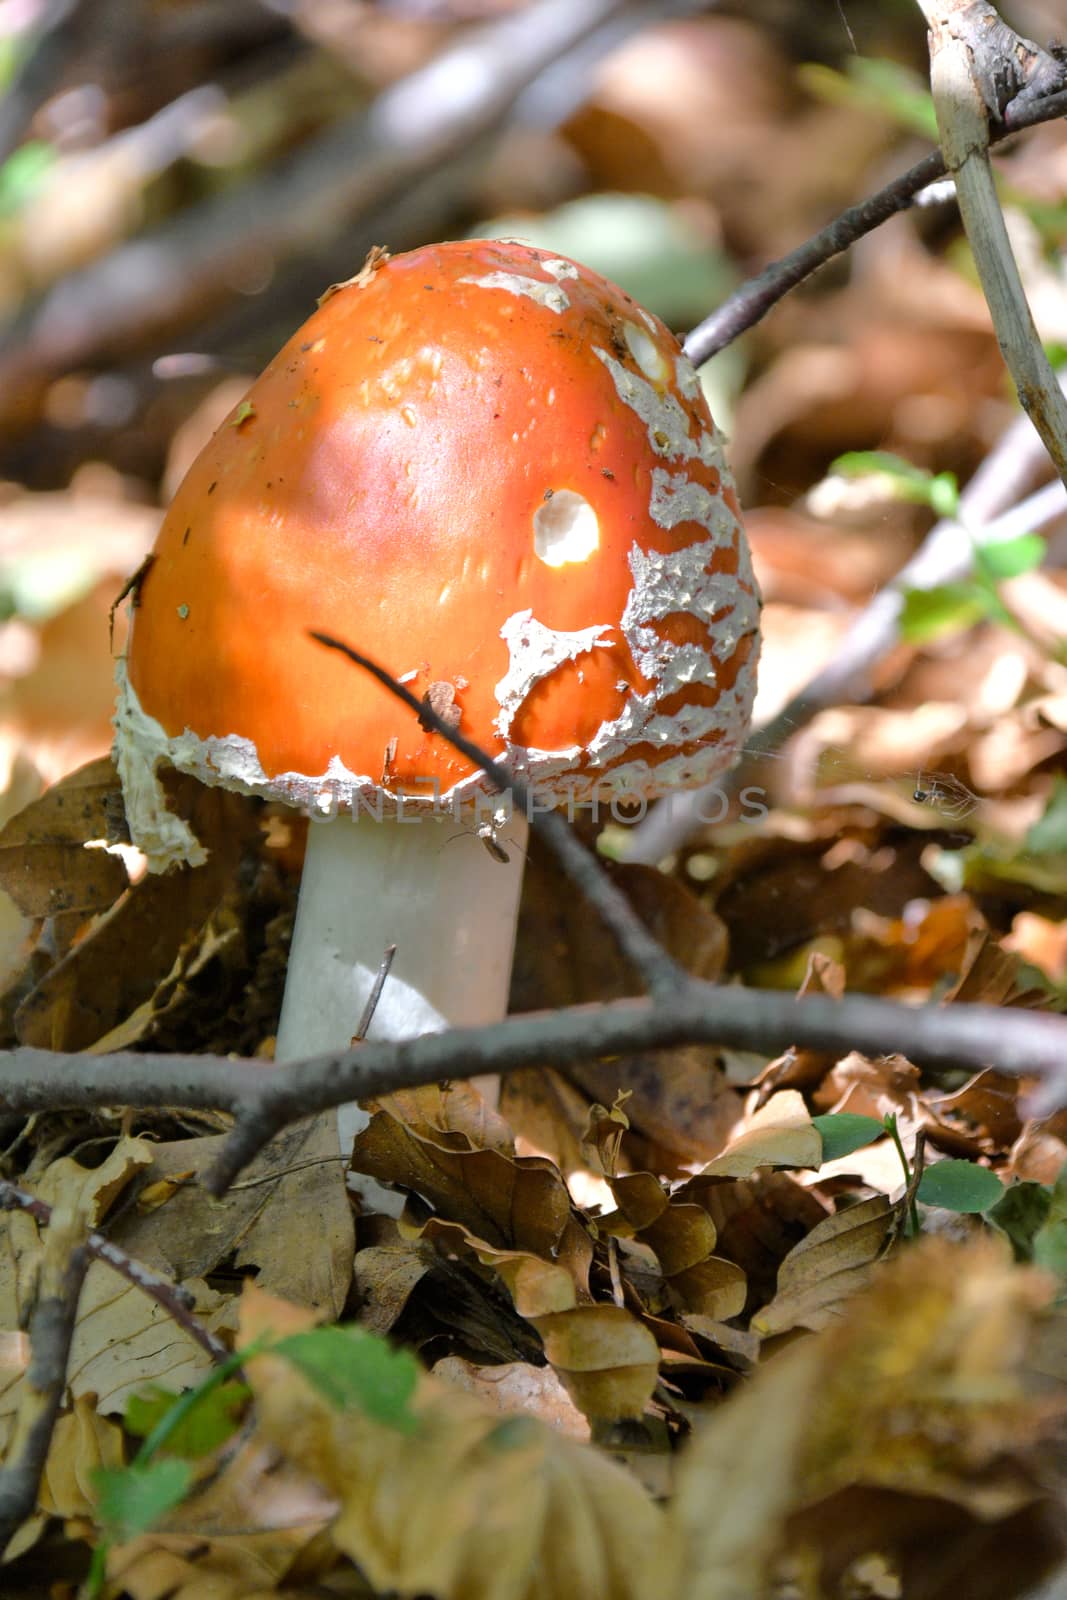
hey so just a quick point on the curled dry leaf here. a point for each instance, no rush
(607, 1359)
(510, 1202)
(469, 1503)
(682, 1237)
(918, 1390)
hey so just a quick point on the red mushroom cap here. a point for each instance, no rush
(492, 471)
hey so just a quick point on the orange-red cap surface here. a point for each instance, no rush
(487, 468)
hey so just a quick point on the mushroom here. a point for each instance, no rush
(491, 470)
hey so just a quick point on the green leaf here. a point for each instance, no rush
(214, 1418)
(1007, 558)
(1020, 1215)
(355, 1370)
(873, 84)
(133, 1499)
(1048, 835)
(943, 494)
(947, 608)
(844, 1131)
(959, 1186)
(1050, 1240)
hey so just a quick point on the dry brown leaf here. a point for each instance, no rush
(606, 1358)
(517, 1389)
(44, 864)
(509, 1201)
(917, 1390)
(260, 1224)
(834, 1261)
(680, 1105)
(779, 1134)
(470, 1503)
(134, 946)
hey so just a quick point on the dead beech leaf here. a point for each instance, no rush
(917, 1390)
(236, 1536)
(779, 1134)
(680, 1104)
(260, 1224)
(506, 1200)
(819, 1273)
(133, 947)
(469, 1504)
(606, 1358)
(44, 865)
(517, 1389)
(82, 1441)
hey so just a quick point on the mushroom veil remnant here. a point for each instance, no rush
(489, 469)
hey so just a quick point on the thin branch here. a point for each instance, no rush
(265, 1099)
(384, 968)
(752, 301)
(972, 53)
(660, 973)
(174, 1300)
(63, 1269)
(415, 128)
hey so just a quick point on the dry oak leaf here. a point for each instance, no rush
(469, 1504)
(917, 1390)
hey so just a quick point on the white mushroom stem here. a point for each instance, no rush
(429, 886)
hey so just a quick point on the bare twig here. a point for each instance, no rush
(63, 1268)
(661, 974)
(174, 1300)
(972, 54)
(751, 302)
(266, 1099)
(363, 1027)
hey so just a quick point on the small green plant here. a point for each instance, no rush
(947, 607)
(352, 1369)
(960, 1186)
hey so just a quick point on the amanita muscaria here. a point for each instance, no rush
(493, 472)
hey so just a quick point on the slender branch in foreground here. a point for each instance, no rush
(173, 1299)
(971, 52)
(264, 1099)
(659, 972)
(752, 301)
(63, 1269)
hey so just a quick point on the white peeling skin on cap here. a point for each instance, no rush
(558, 268)
(141, 747)
(549, 295)
(676, 499)
(664, 416)
(535, 652)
